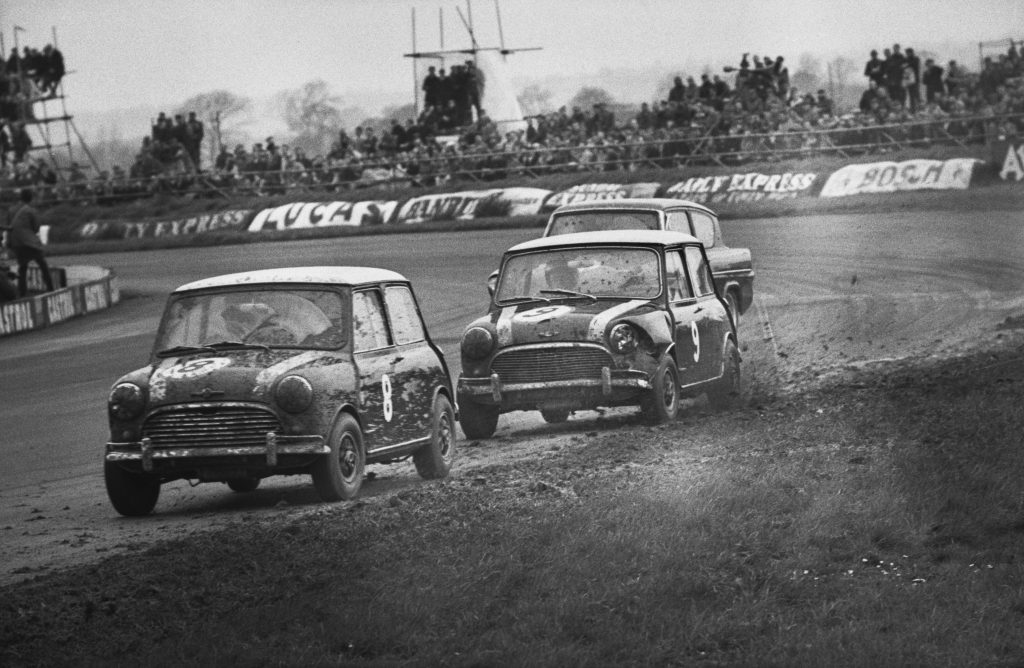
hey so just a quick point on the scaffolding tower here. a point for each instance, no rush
(42, 112)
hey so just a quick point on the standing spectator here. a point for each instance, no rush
(20, 141)
(678, 91)
(953, 77)
(932, 79)
(894, 75)
(874, 70)
(23, 240)
(195, 138)
(912, 79)
(5, 143)
(431, 85)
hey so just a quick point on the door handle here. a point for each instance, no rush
(397, 360)
(698, 309)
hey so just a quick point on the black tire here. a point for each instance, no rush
(661, 404)
(243, 485)
(131, 494)
(477, 420)
(555, 415)
(339, 475)
(734, 309)
(434, 460)
(725, 392)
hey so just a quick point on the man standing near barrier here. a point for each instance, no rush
(23, 240)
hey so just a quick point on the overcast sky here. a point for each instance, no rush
(158, 53)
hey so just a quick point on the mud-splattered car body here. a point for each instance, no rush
(272, 372)
(581, 321)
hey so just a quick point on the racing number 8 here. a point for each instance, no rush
(695, 335)
(389, 408)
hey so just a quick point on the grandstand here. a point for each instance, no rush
(755, 116)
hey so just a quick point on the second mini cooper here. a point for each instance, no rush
(581, 321)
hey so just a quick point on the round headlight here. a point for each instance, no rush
(294, 394)
(622, 338)
(477, 343)
(126, 401)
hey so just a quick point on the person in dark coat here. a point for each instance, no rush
(932, 80)
(23, 240)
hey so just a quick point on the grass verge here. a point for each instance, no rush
(875, 518)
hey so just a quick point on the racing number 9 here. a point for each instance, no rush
(695, 335)
(389, 408)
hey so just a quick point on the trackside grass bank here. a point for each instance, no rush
(873, 517)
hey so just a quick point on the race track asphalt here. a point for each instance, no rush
(831, 290)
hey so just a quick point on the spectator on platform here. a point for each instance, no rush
(912, 79)
(874, 69)
(933, 80)
(24, 242)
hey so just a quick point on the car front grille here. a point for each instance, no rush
(550, 363)
(210, 426)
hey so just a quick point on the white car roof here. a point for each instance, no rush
(627, 237)
(649, 203)
(334, 275)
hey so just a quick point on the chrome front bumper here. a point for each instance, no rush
(276, 445)
(494, 389)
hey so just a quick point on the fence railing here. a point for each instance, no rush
(690, 147)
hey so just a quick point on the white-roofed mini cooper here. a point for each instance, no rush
(306, 370)
(581, 321)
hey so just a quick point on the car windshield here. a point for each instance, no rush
(288, 317)
(600, 221)
(631, 273)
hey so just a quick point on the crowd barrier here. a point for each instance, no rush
(86, 289)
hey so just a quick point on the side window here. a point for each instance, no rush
(700, 273)
(703, 228)
(677, 221)
(404, 317)
(369, 327)
(678, 283)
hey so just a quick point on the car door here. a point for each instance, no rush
(712, 320)
(686, 316)
(415, 368)
(373, 354)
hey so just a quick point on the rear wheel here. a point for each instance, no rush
(662, 401)
(131, 494)
(338, 475)
(555, 415)
(244, 484)
(477, 420)
(734, 308)
(434, 459)
(724, 393)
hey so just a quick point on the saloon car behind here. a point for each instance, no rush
(308, 370)
(581, 321)
(731, 267)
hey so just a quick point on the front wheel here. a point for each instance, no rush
(662, 401)
(724, 393)
(434, 460)
(478, 420)
(131, 494)
(338, 475)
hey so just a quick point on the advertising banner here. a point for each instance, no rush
(446, 206)
(888, 177)
(523, 201)
(234, 219)
(587, 192)
(1009, 157)
(323, 214)
(89, 289)
(749, 187)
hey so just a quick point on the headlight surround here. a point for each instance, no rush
(623, 338)
(294, 394)
(126, 401)
(477, 343)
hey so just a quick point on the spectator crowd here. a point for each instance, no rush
(750, 111)
(24, 79)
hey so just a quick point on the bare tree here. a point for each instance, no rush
(311, 112)
(222, 114)
(588, 96)
(807, 77)
(535, 100)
